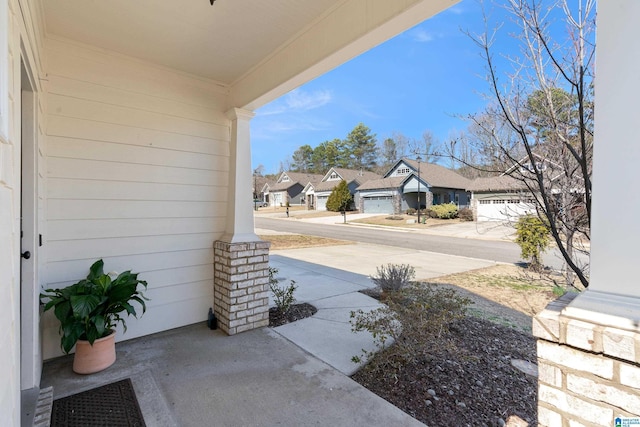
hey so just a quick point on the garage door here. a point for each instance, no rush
(321, 203)
(378, 204)
(502, 209)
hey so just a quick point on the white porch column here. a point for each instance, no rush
(241, 259)
(589, 344)
(240, 226)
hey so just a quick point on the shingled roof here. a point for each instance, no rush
(439, 176)
(383, 183)
(295, 178)
(349, 175)
(496, 183)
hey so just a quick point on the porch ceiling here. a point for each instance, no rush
(251, 46)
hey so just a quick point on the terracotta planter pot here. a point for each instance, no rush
(90, 359)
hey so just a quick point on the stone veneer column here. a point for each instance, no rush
(241, 259)
(589, 344)
(241, 277)
(588, 373)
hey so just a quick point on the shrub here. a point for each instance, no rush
(340, 198)
(414, 318)
(534, 237)
(465, 214)
(393, 277)
(283, 297)
(411, 211)
(445, 211)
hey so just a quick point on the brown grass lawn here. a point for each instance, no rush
(519, 294)
(401, 221)
(293, 241)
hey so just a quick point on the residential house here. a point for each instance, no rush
(407, 180)
(318, 193)
(500, 198)
(289, 188)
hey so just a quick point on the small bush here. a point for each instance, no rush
(411, 211)
(465, 214)
(414, 318)
(444, 211)
(534, 237)
(393, 277)
(283, 297)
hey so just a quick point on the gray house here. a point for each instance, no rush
(317, 193)
(399, 189)
(289, 188)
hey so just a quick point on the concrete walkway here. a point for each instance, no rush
(331, 284)
(293, 375)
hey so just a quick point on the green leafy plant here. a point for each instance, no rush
(534, 237)
(283, 297)
(444, 211)
(91, 308)
(393, 277)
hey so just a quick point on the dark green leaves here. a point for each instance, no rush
(90, 308)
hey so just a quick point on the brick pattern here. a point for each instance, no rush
(240, 288)
(588, 373)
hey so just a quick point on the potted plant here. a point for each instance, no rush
(88, 312)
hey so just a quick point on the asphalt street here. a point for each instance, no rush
(499, 251)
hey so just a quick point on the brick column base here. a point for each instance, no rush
(240, 285)
(588, 373)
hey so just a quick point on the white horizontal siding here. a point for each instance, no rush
(137, 174)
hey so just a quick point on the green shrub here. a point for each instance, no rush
(411, 211)
(283, 297)
(340, 199)
(465, 214)
(393, 277)
(414, 318)
(534, 237)
(444, 211)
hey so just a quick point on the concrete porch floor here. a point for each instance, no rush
(193, 376)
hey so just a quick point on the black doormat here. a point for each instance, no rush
(111, 405)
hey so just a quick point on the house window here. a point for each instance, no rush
(285, 179)
(485, 202)
(403, 171)
(334, 176)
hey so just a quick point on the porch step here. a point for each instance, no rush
(44, 405)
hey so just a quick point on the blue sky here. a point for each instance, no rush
(420, 80)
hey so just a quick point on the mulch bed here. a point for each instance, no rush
(470, 383)
(295, 312)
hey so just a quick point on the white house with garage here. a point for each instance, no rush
(409, 184)
(317, 193)
(500, 198)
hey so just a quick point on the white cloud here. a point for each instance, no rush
(422, 36)
(297, 100)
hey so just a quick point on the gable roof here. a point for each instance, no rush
(435, 175)
(348, 175)
(384, 183)
(294, 178)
